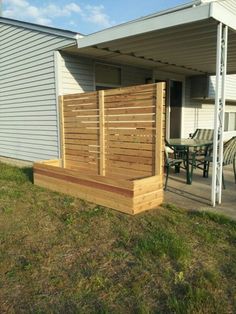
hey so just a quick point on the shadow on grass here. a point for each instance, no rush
(28, 172)
(15, 174)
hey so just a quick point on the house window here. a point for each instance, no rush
(107, 76)
(230, 121)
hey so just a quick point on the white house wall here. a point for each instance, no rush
(197, 115)
(78, 74)
(28, 107)
(230, 87)
(200, 114)
(229, 4)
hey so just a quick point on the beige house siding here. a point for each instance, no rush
(230, 87)
(200, 114)
(229, 4)
(78, 74)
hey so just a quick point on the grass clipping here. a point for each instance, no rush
(59, 254)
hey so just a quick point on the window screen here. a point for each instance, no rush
(107, 76)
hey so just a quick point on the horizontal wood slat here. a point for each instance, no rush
(129, 129)
(112, 148)
(128, 196)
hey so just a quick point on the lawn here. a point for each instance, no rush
(59, 254)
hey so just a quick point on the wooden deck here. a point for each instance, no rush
(111, 148)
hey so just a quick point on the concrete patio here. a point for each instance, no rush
(197, 196)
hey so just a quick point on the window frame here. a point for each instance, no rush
(227, 121)
(105, 85)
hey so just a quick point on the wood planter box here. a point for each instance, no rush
(127, 196)
(111, 148)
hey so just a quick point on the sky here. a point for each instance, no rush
(82, 16)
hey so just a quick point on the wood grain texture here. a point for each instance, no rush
(160, 102)
(123, 126)
(128, 196)
(102, 144)
(112, 148)
(62, 135)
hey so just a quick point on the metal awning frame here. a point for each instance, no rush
(180, 40)
(173, 18)
(225, 21)
(218, 145)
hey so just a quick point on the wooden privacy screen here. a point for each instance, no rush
(116, 132)
(111, 144)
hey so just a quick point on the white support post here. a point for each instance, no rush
(221, 70)
(222, 106)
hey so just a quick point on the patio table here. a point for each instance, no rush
(185, 145)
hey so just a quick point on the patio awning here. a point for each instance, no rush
(182, 40)
(199, 37)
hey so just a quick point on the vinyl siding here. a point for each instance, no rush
(78, 74)
(197, 114)
(28, 105)
(230, 87)
(202, 116)
(231, 79)
(229, 4)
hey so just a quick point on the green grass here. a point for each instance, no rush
(59, 254)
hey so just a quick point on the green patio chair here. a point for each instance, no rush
(229, 157)
(200, 154)
(203, 134)
(171, 162)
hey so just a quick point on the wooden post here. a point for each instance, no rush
(160, 89)
(62, 135)
(102, 170)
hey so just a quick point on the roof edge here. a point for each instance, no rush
(166, 11)
(223, 15)
(155, 22)
(41, 28)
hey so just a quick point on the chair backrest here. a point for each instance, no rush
(230, 151)
(167, 151)
(203, 134)
(177, 152)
